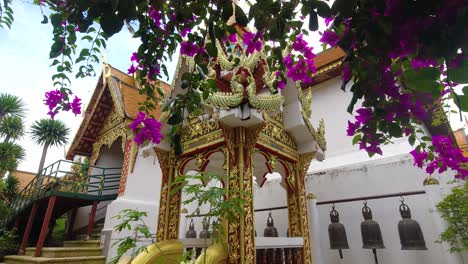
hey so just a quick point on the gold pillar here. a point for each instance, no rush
(241, 233)
(169, 204)
(297, 207)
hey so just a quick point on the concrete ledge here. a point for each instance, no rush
(76, 260)
(82, 243)
(63, 252)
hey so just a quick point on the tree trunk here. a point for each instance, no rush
(41, 165)
(43, 157)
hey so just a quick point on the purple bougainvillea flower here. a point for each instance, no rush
(146, 128)
(132, 69)
(281, 84)
(185, 31)
(364, 115)
(156, 15)
(328, 20)
(76, 106)
(188, 48)
(134, 57)
(419, 157)
(253, 42)
(352, 127)
(52, 100)
(347, 74)
(232, 38)
(329, 37)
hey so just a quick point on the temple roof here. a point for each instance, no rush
(24, 177)
(114, 90)
(329, 64)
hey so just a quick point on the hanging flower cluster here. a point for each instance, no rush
(300, 67)
(57, 100)
(399, 74)
(146, 129)
(443, 156)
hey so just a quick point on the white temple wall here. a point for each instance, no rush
(271, 194)
(384, 176)
(142, 193)
(348, 172)
(109, 158)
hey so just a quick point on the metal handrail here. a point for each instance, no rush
(55, 179)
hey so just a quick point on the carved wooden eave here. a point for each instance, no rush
(113, 106)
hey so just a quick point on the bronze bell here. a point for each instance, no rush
(205, 233)
(370, 231)
(337, 232)
(411, 236)
(270, 230)
(214, 233)
(191, 233)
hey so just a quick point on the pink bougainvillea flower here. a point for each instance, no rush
(328, 20)
(329, 37)
(253, 42)
(146, 128)
(189, 48)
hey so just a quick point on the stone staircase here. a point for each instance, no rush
(79, 251)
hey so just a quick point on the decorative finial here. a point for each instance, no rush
(430, 181)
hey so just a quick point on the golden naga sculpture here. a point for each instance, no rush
(215, 254)
(241, 79)
(167, 252)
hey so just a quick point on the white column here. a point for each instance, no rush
(435, 195)
(314, 227)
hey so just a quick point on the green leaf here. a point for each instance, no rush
(395, 130)
(313, 21)
(424, 79)
(459, 74)
(241, 18)
(356, 139)
(412, 140)
(462, 102)
(111, 23)
(175, 119)
(323, 9)
(45, 20)
(211, 49)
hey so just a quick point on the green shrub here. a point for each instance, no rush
(454, 209)
(9, 243)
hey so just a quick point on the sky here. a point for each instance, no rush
(25, 71)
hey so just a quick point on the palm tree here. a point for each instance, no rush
(10, 156)
(49, 132)
(11, 128)
(11, 105)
